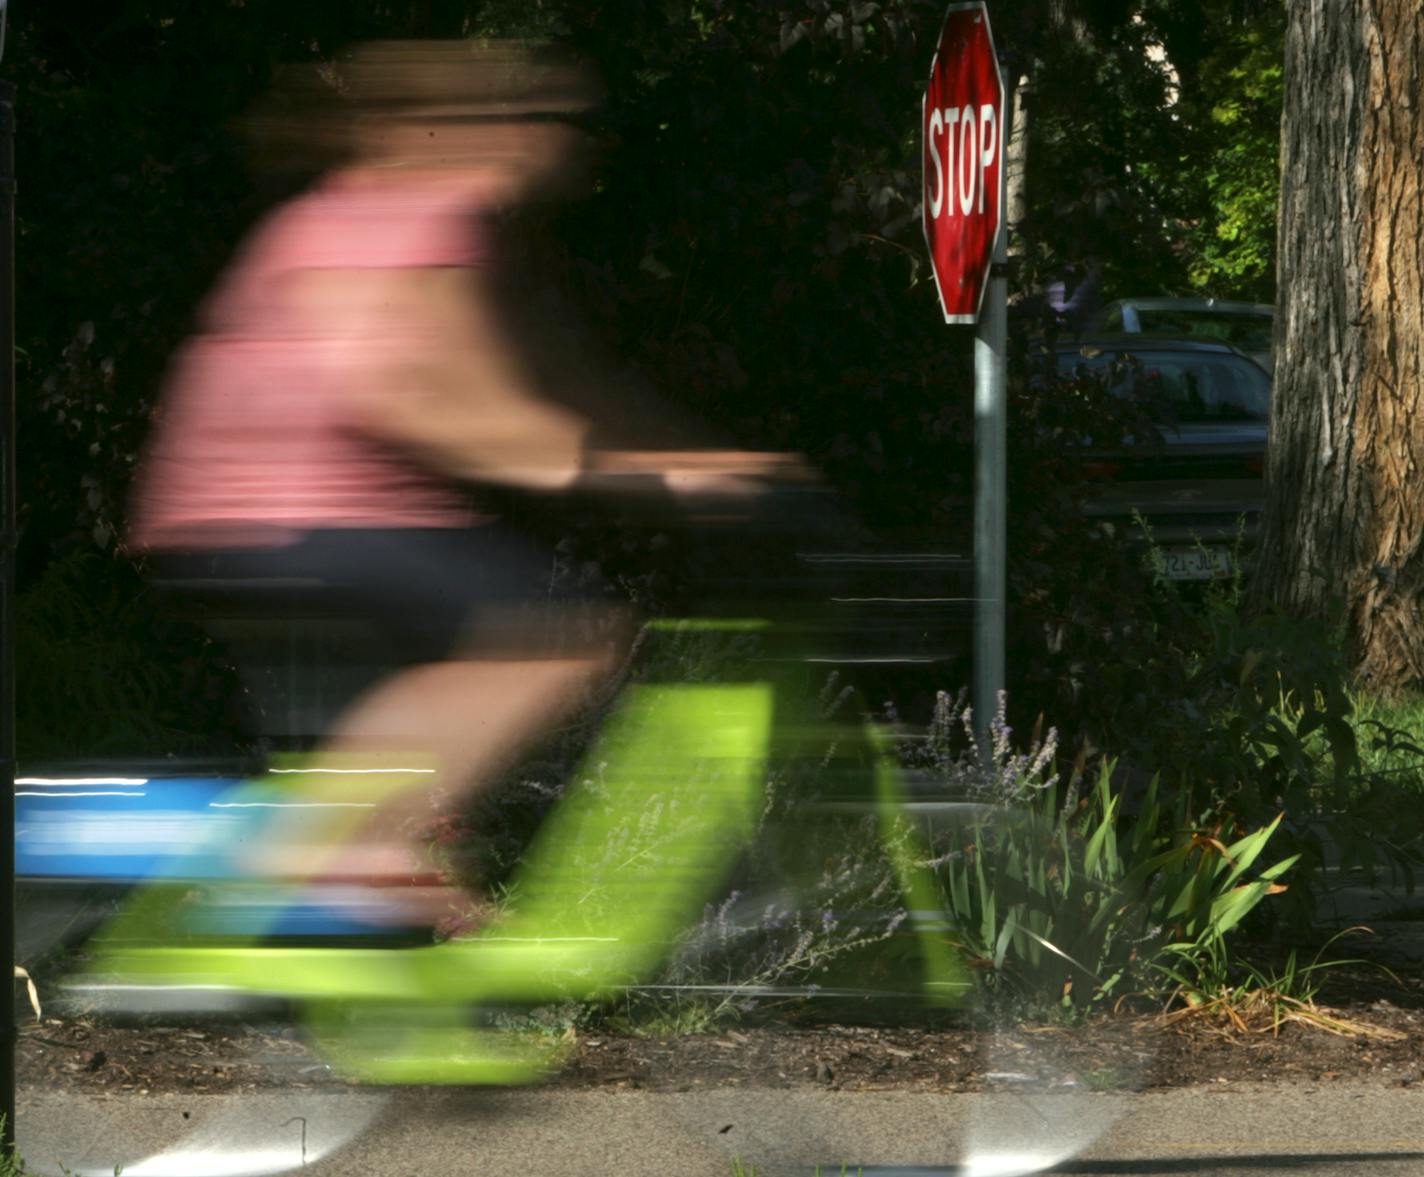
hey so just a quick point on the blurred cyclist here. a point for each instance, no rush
(350, 381)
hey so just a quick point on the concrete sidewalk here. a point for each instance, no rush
(1325, 1129)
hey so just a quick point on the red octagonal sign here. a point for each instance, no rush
(963, 160)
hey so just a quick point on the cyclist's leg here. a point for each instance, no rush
(471, 692)
(663, 806)
(465, 720)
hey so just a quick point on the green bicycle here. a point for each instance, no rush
(666, 802)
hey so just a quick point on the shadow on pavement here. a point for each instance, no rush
(1146, 1166)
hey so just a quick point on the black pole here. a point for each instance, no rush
(8, 539)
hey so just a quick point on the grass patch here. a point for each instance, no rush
(1106, 1079)
(645, 1017)
(1391, 738)
(1237, 998)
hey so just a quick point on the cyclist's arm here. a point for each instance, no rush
(445, 383)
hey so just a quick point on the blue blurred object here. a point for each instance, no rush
(125, 829)
(116, 832)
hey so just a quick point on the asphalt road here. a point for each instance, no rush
(1325, 1130)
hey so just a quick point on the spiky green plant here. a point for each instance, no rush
(1064, 901)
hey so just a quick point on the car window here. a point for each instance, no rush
(1189, 387)
(1242, 330)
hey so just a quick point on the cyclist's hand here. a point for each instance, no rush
(699, 484)
(689, 473)
(769, 491)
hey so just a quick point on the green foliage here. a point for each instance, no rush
(1104, 140)
(1288, 737)
(1389, 734)
(1079, 586)
(671, 1015)
(100, 673)
(1220, 986)
(1065, 901)
(1246, 715)
(11, 1163)
(1231, 241)
(1058, 900)
(131, 195)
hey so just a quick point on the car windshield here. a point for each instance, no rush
(1190, 387)
(1247, 331)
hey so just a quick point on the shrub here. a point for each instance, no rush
(1246, 713)
(1250, 715)
(1059, 899)
(101, 673)
(1054, 897)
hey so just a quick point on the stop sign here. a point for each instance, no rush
(963, 133)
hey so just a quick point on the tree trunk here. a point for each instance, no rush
(1344, 523)
(1016, 167)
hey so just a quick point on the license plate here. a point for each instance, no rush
(1195, 563)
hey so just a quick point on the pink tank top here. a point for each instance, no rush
(252, 441)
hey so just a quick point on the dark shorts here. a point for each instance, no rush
(424, 587)
(325, 617)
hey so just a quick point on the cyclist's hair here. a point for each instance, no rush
(306, 121)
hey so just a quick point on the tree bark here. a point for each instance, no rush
(1343, 532)
(1016, 167)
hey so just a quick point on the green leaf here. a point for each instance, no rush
(1001, 947)
(1098, 843)
(1241, 854)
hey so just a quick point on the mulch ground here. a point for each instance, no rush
(1135, 1052)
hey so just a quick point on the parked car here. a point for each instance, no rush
(1246, 326)
(1198, 485)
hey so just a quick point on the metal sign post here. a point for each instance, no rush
(990, 492)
